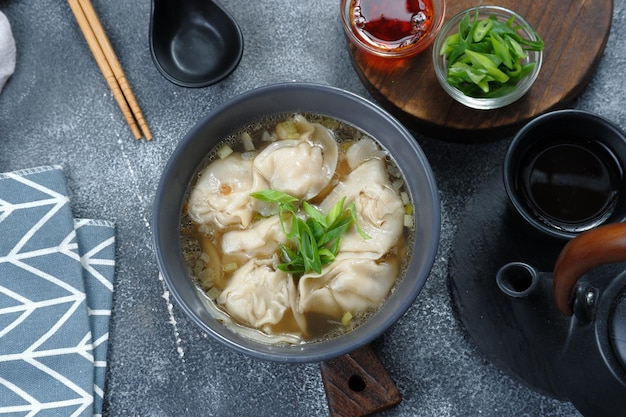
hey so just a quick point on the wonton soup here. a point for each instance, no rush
(296, 229)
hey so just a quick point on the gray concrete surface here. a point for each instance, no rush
(57, 109)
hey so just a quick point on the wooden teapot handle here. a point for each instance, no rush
(602, 245)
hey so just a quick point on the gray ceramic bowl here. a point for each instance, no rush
(280, 99)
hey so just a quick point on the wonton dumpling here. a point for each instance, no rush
(361, 151)
(300, 167)
(260, 295)
(261, 240)
(380, 211)
(222, 194)
(349, 284)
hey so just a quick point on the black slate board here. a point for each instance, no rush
(527, 337)
(489, 237)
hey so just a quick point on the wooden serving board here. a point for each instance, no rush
(575, 34)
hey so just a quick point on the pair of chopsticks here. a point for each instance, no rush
(110, 66)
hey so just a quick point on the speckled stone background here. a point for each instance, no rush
(57, 109)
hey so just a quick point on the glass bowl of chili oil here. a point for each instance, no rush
(392, 28)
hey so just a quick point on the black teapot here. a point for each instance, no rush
(586, 345)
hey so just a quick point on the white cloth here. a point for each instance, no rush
(7, 50)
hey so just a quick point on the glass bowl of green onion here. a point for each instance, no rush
(487, 57)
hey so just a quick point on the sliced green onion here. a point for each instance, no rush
(224, 151)
(485, 58)
(481, 29)
(316, 238)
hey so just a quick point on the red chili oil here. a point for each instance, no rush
(391, 24)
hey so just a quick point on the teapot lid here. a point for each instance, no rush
(617, 330)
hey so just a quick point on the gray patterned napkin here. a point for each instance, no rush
(56, 288)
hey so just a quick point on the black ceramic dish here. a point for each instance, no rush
(283, 99)
(194, 43)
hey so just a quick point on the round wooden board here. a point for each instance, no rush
(575, 34)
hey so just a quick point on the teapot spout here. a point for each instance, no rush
(517, 279)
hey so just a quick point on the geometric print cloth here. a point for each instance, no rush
(56, 289)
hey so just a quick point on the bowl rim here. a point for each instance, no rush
(439, 12)
(479, 103)
(169, 254)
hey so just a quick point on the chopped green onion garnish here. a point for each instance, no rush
(315, 239)
(485, 57)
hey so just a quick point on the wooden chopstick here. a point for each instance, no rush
(109, 66)
(103, 40)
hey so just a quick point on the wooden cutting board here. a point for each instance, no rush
(575, 34)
